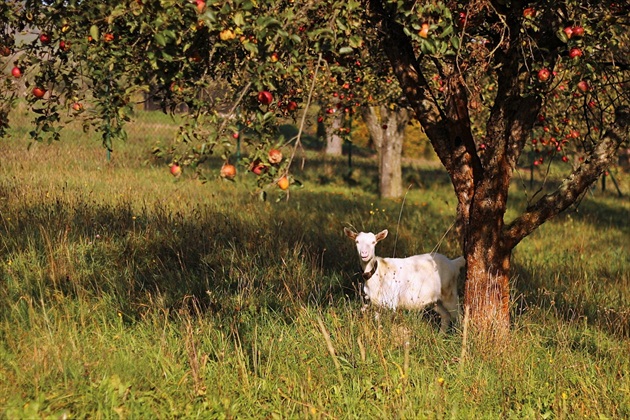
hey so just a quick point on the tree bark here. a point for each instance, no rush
(387, 130)
(334, 142)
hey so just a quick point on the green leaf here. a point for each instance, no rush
(94, 32)
(455, 42)
(355, 41)
(427, 47)
(341, 25)
(345, 50)
(447, 31)
(160, 39)
(251, 47)
(238, 19)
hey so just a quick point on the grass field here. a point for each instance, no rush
(125, 292)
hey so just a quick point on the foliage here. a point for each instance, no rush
(215, 57)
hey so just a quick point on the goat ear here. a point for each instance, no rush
(381, 235)
(350, 234)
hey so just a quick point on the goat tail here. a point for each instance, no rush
(459, 262)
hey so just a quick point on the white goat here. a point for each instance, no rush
(409, 283)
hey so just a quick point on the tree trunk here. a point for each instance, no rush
(487, 292)
(334, 142)
(387, 130)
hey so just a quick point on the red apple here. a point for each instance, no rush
(274, 57)
(544, 74)
(201, 4)
(5, 51)
(176, 170)
(292, 106)
(258, 168)
(565, 159)
(265, 97)
(38, 92)
(228, 171)
(44, 38)
(568, 31)
(64, 46)
(529, 12)
(275, 156)
(583, 86)
(16, 72)
(462, 19)
(578, 31)
(108, 37)
(77, 106)
(575, 52)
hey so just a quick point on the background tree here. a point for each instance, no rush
(484, 78)
(386, 125)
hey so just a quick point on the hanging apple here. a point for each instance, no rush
(424, 30)
(283, 183)
(568, 31)
(578, 31)
(583, 86)
(544, 74)
(275, 156)
(265, 97)
(176, 170)
(575, 52)
(38, 92)
(201, 5)
(529, 13)
(228, 171)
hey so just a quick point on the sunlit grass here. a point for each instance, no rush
(127, 292)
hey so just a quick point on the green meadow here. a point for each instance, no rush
(128, 293)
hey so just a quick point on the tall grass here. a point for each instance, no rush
(125, 292)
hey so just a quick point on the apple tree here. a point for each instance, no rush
(503, 45)
(489, 80)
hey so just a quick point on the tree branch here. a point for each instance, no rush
(575, 184)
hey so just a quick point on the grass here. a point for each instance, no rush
(127, 293)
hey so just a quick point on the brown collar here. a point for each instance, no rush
(368, 274)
